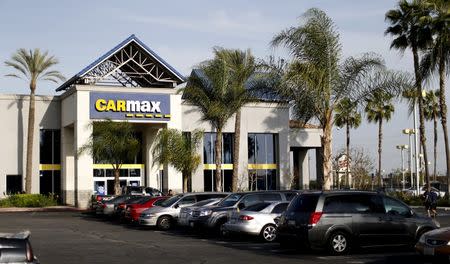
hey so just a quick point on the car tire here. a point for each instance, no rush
(269, 233)
(164, 222)
(219, 226)
(339, 243)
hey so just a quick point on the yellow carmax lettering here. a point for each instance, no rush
(121, 105)
(111, 106)
(100, 105)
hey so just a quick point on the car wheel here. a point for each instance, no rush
(269, 233)
(339, 243)
(164, 223)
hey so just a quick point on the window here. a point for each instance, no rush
(351, 204)
(304, 203)
(187, 200)
(279, 208)
(250, 199)
(209, 140)
(13, 184)
(257, 207)
(209, 180)
(270, 197)
(262, 151)
(289, 195)
(230, 200)
(396, 207)
(49, 153)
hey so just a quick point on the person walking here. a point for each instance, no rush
(431, 198)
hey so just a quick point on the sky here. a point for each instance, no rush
(184, 33)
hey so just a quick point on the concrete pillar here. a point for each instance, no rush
(174, 178)
(243, 159)
(197, 176)
(68, 165)
(304, 176)
(84, 181)
(283, 161)
(151, 170)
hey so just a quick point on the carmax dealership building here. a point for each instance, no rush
(132, 83)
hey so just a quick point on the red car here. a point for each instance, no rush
(133, 211)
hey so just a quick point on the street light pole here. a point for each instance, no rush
(409, 132)
(401, 148)
(416, 150)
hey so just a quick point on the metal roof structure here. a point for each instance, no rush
(131, 64)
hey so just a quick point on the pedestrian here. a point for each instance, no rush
(170, 193)
(430, 197)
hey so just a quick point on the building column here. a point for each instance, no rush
(173, 178)
(151, 170)
(67, 165)
(304, 176)
(84, 179)
(283, 161)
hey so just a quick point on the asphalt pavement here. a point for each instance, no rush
(74, 237)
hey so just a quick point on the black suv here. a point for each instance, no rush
(214, 217)
(339, 220)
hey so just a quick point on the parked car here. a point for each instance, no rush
(338, 220)
(119, 209)
(186, 212)
(412, 191)
(142, 190)
(435, 243)
(16, 248)
(165, 215)
(133, 211)
(98, 199)
(257, 220)
(107, 207)
(213, 217)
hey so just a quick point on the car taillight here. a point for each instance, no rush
(30, 256)
(314, 218)
(122, 206)
(245, 217)
(99, 198)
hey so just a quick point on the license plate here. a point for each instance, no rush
(428, 251)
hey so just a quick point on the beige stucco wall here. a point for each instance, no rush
(14, 117)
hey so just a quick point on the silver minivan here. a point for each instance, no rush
(165, 215)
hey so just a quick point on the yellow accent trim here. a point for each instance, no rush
(124, 166)
(139, 115)
(149, 115)
(158, 115)
(213, 166)
(167, 116)
(129, 115)
(262, 166)
(49, 167)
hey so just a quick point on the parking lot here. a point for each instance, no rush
(71, 237)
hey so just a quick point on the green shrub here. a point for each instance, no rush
(28, 200)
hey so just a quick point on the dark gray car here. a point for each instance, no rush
(339, 220)
(16, 248)
(213, 217)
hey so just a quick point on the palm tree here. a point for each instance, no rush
(408, 32)
(347, 115)
(180, 150)
(242, 65)
(316, 79)
(431, 112)
(437, 58)
(209, 89)
(379, 107)
(114, 143)
(32, 66)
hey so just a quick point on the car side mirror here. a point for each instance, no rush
(176, 206)
(241, 206)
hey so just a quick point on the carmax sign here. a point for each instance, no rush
(120, 106)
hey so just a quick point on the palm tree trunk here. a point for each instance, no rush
(117, 189)
(380, 139)
(347, 178)
(218, 152)
(326, 152)
(421, 115)
(443, 114)
(185, 182)
(435, 144)
(30, 139)
(236, 148)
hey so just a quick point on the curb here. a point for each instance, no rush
(42, 209)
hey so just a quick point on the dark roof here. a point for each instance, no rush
(131, 39)
(260, 87)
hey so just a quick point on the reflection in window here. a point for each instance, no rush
(262, 150)
(208, 148)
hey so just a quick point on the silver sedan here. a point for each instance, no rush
(257, 219)
(186, 212)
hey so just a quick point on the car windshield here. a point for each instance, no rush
(230, 200)
(256, 207)
(159, 202)
(171, 201)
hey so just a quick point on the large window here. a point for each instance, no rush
(50, 159)
(262, 160)
(209, 159)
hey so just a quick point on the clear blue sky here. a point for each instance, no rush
(183, 33)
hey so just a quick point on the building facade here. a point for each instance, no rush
(132, 83)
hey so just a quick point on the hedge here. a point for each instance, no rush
(28, 200)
